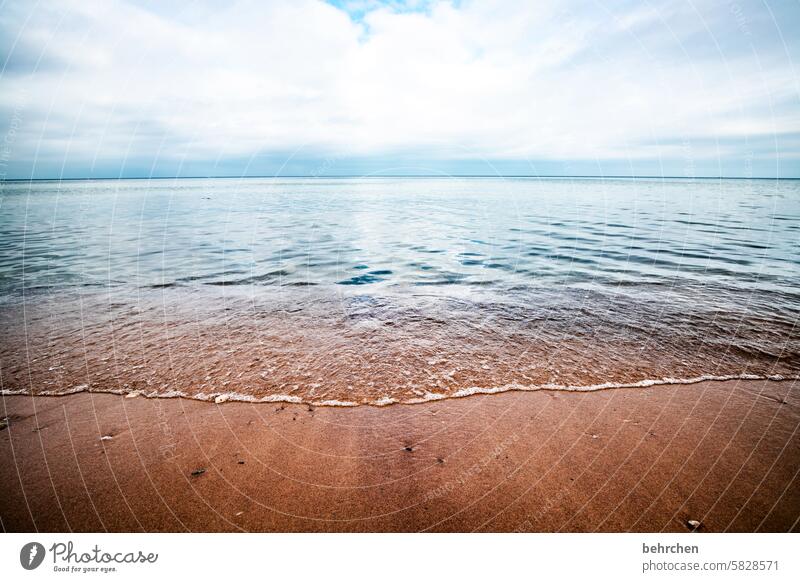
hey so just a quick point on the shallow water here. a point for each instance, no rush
(394, 289)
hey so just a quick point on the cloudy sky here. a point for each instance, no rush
(305, 87)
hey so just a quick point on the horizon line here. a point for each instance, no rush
(346, 176)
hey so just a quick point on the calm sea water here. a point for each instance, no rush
(685, 277)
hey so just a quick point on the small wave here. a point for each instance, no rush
(362, 280)
(221, 397)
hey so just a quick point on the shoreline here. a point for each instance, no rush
(223, 397)
(368, 346)
(725, 453)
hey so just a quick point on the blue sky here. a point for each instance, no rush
(144, 88)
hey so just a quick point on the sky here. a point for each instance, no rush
(141, 88)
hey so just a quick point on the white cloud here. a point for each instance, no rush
(490, 79)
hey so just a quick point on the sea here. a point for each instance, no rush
(384, 290)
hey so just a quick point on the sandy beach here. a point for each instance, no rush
(389, 353)
(726, 454)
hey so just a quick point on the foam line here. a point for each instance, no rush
(221, 397)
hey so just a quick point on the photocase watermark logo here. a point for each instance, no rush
(70, 559)
(31, 555)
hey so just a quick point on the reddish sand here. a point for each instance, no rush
(647, 459)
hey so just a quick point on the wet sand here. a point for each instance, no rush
(726, 454)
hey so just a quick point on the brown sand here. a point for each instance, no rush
(649, 459)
